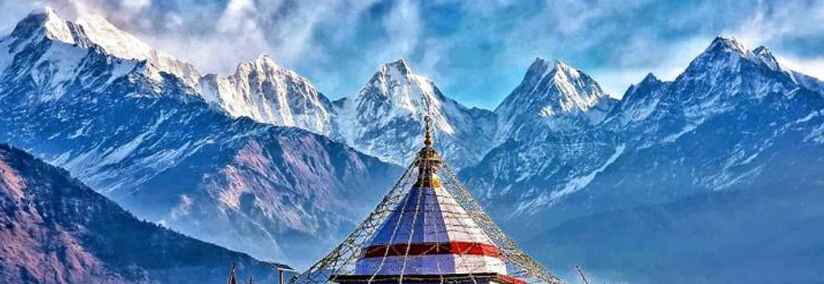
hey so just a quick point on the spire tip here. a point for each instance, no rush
(427, 135)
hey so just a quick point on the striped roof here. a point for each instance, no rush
(429, 233)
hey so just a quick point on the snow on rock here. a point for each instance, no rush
(728, 121)
(92, 29)
(552, 96)
(385, 119)
(269, 93)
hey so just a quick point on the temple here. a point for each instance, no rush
(427, 230)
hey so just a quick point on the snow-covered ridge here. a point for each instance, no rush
(89, 30)
(269, 93)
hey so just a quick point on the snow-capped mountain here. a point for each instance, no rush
(545, 146)
(552, 97)
(639, 101)
(57, 230)
(90, 29)
(201, 154)
(150, 141)
(733, 119)
(269, 93)
(385, 119)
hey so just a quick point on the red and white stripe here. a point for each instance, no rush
(429, 234)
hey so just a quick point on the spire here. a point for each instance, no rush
(232, 275)
(429, 161)
(427, 131)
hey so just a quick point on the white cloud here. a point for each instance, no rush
(678, 55)
(810, 66)
(136, 4)
(775, 23)
(403, 27)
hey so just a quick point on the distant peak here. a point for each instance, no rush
(564, 72)
(43, 20)
(540, 68)
(650, 78)
(560, 66)
(765, 55)
(539, 61)
(729, 44)
(762, 50)
(45, 10)
(265, 60)
(262, 63)
(399, 65)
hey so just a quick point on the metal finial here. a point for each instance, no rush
(427, 131)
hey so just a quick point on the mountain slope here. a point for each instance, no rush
(385, 119)
(731, 114)
(733, 120)
(150, 141)
(752, 235)
(546, 147)
(57, 230)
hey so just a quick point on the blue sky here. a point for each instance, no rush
(476, 51)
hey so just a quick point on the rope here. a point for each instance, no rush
(510, 250)
(394, 233)
(411, 231)
(345, 253)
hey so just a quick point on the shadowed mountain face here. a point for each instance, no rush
(57, 230)
(746, 235)
(734, 123)
(147, 139)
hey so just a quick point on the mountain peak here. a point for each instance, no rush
(725, 54)
(87, 30)
(46, 22)
(762, 50)
(539, 62)
(564, 72)
(650, 78)
(726, 44)
(264, 59)
(560, 65)
(45, 11)
(765, 55)
(561, 71)
(261, 63)
(555, 95)
(400, 66)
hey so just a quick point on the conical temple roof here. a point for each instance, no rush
(429, 233)
(428, 227)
